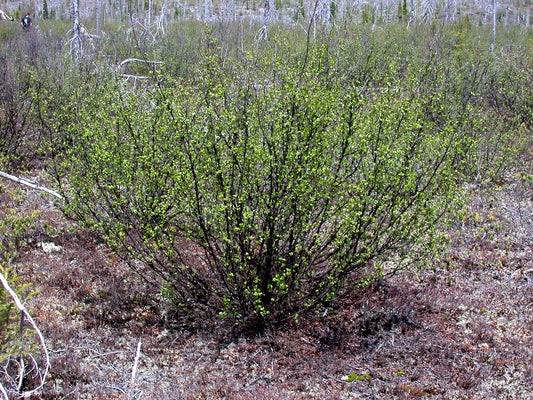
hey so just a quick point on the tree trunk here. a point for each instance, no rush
(208, 10)
(76, 46)
(266, 18)
(493, 26)
(97, 16)
(164, 13)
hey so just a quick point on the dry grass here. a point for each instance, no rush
(461, 329)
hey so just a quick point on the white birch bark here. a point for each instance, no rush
(208, 10)
(97, 16)
(164, 14)
(494, 11)
(76, 45)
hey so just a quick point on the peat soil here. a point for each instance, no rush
(459, 329)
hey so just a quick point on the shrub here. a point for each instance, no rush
(24, 57)
(261, 198)
(15, 110)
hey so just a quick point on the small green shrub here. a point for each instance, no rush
(262, 200)
(261, 186)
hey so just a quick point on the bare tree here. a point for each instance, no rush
(164, 13)
(428, 9)
(32, 184)
(75, 43)
(97, 15)
(494, 11)
(342, 6)
(36, 9)
(208, 10)
(324, 11)
(377, 7)
(4, 15)
(267, 15)
(230, 10)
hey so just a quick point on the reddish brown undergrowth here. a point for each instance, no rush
(461, 329)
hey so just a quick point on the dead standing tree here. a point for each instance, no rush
(267, 15)
(324, 11)
(428, 9)
(494, 15)
(208, 10)
(76, 47)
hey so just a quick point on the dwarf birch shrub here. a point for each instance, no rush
(259, 198)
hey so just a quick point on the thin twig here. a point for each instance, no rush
(109, 353)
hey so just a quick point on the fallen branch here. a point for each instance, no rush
(4, 15)
(4, 392)
(120, 66)
(135, 77)
(129, 60)
(131, 390)
(32, 184)
(23, 309)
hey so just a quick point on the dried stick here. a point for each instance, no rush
(4, 392)
(32, 184)
(4, 15)
(130, 60)
(22, 367)
(23, 309)
(131, 390)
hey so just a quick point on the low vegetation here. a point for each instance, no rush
(255, 183)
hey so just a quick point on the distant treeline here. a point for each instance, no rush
(507, 12)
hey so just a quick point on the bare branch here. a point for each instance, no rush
(131, 390)
(3, 15)
(128, 60)
(23, 309)
(32, 184)
(4, 392)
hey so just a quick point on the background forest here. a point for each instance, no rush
(483, 12)
(271, 200)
